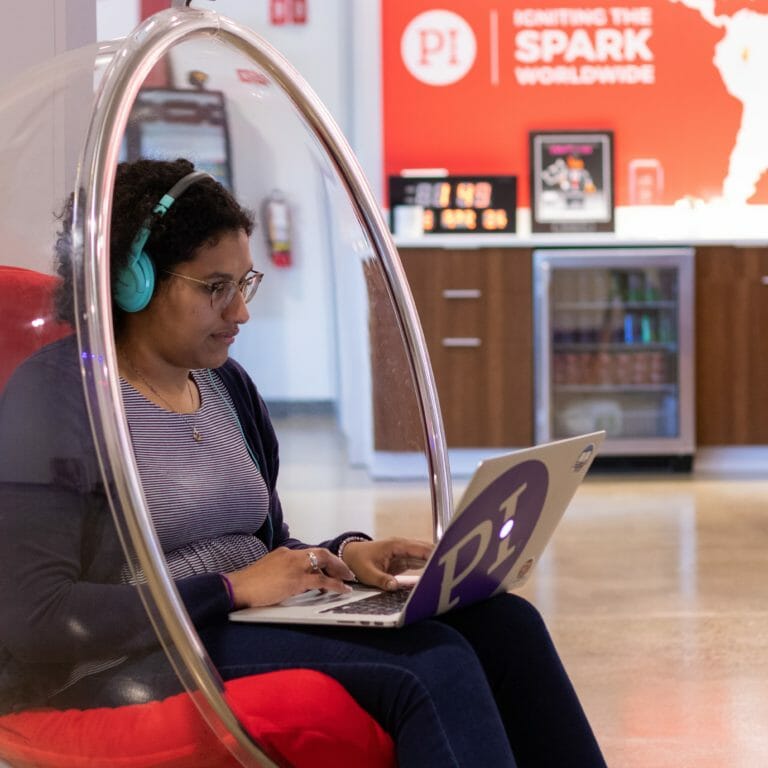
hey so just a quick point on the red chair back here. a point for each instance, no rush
(27, 317)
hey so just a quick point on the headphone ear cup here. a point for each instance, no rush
(135, 283)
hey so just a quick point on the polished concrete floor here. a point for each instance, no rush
(655, 588)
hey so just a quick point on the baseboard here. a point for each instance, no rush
(720, 461)
(283, 409)
(732, 460)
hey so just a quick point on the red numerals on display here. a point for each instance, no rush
(465, 195)
(468, 194)
(433, 195)
(483, 191)
(458, 218)
(473, 194)
(451, 206)
(444, 195)
(494, 219)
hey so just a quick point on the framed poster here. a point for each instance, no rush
(571, 181)
(459, 204)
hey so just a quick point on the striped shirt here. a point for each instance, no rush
(206, 498)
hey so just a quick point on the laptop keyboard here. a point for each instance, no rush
(382, 603)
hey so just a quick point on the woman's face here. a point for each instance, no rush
(180, 326)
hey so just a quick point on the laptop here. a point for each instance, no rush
(503, 522)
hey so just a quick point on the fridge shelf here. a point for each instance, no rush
(613, 346)
(591, 306)
(624, 389)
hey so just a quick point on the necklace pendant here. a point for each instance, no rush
(196, 435)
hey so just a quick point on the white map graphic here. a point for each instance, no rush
(741, 58)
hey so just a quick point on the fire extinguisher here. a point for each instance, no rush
(277, 218)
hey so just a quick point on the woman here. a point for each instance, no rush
(482, 686)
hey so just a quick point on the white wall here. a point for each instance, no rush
(116, 18)
(292, 345)
(38, 163)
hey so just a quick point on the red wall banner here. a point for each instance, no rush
(680, 85)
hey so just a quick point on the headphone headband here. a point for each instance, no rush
(170, 197)
(136, 281)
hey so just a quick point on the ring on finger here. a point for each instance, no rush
(314, 565)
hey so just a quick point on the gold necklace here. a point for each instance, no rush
(197, 436)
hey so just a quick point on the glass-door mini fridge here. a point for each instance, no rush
(614, 348)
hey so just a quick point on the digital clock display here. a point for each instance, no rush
(458, 203)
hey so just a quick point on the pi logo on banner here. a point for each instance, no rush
(438, 47)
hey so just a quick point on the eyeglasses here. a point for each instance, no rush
(223, 291)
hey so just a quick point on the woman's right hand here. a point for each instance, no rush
(287, 572)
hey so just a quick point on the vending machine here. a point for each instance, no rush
(613, 348)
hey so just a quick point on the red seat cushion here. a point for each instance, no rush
(26, 297)
(299, 717)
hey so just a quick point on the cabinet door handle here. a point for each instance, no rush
(462, 293)
(764, 279)
(461, 341)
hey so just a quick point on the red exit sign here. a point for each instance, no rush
(287, 12)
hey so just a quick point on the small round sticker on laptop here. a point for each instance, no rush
(525, 568)
(584, 457)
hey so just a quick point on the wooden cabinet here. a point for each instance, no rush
(731, 345)
(475, 307)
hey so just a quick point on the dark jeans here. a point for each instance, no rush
(471, 688)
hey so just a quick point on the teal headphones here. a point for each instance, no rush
(135, 283)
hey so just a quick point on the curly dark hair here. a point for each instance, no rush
(200, 215)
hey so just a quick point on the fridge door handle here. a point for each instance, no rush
(461, 341)
(462, 293)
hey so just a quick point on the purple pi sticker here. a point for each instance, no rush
(482, 545)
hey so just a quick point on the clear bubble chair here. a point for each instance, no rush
(68, 476)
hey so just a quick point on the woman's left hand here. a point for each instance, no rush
(376, 563)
